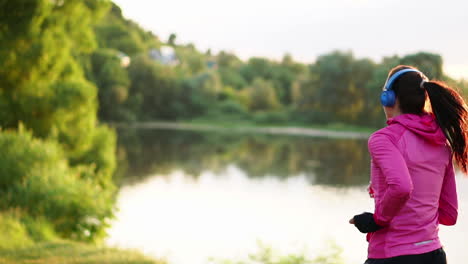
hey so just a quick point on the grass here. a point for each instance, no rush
(330, 254)
(65, 252)
(328, 130)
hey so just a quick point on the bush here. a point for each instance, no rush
(39, 229)
(311, 117)
(101, 155)
(36, 179)
(230, 107)
(19, 230)
(262, 96)
(13, 233)
(271, 117)
(332, 254)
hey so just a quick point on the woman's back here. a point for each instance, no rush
(413, 151)
(412, 176)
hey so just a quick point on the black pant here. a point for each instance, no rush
(434, 257)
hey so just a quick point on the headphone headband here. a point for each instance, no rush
(389, 83)
(388, 96)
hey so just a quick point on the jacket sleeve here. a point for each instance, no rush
(448, 202)
(393, 167)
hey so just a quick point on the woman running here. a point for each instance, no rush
(412, 176)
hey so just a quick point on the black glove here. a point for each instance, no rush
(365, 223)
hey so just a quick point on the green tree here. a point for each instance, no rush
(228, 69)
(116, 32)
(172, 39)
(157, 86)
(337, 90)
(191, 61)
(429, 63)
(43, 88)
(262, 96)
(285, 77)
(228, 60)
(42, 83)
(113, 83)
(257, 68)
(199, 94)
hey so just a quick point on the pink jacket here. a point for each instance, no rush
(413, 184)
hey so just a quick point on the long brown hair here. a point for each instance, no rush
(446, 104)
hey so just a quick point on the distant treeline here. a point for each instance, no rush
(336, 88)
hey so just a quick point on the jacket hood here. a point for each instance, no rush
(423, 125)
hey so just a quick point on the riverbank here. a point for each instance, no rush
(66, 252)
(326, 131)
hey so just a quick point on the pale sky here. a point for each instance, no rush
(309, 28)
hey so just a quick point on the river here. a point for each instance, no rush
(189, 196)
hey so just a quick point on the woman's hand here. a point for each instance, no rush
(365, 223)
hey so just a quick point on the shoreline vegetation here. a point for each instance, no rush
(67, 252)
(325, 131)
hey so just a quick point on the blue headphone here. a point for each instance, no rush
(388, 97)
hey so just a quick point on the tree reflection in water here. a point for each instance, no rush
(146, 152)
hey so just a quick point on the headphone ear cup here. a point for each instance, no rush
(388, 98)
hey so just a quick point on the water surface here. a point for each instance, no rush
(189, 196)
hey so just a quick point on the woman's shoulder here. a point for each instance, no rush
(389, 134)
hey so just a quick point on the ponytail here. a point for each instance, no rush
(451, 113)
